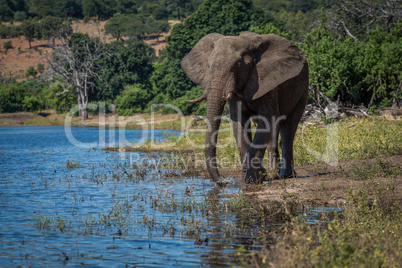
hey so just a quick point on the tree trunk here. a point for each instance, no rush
(79, 104)
(84, 114)
(82, 106)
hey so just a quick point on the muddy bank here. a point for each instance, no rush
(323, 184)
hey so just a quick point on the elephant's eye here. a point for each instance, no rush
(238, 64)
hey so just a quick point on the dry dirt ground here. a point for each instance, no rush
(323, 184)
(20, 57)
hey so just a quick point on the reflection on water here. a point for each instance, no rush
(60, 204)
(54, 213)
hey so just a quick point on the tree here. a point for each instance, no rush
(114, 26)
(51, 27)
(125, 25)
(176, 5)
(59, 8)
(356, 72)
(159, 13)
(28, 29)
(20, 16)
(101, 8)
(133, 26)
(356, 18)
(75, 60)
(126, 6)
(227, 17)
(31, 72)
(9, 7)
(159, 26)
(41, 8)
(128, 64)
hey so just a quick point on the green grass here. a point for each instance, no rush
(351, 139)
(368, 233)
(367, 170)
(357, 139)
(44, 122)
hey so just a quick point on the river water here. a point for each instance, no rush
(65, 201)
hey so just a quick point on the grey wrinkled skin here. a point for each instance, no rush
(264, 78)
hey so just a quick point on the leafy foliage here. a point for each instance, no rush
(169, 82)
(267, 29)
(357, 72)
(225, 17)
(363, 70)
(132, 100)
(126, 64)
(356, 18)
(50, 27)
(60, 8)
(28, 29)
(134, 26)
(9, 31)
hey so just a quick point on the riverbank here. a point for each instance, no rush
(51, 118)
(345, 214)
(138, 121)
(358, 200)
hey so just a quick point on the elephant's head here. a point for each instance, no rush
(249, 65)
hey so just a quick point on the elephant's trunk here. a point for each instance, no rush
(215, 105)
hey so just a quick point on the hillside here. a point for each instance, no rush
(20, 57)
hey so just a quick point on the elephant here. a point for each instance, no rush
(265, 79)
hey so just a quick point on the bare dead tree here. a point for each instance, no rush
(77, 67)
(356, 18)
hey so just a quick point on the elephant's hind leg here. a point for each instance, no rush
(288, 132)
(273, 157)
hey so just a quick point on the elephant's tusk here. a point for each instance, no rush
(197, 100)
(228, 97)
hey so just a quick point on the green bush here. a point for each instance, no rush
(227, 17)
(133, 99)
(31, 72)
(61, 103)
(7, 45)
(40, 67)
(9, 31)
(160, 13)
(267, 29)
(94, 106)
(32, 104)
(11, 97)
(356, 72)
(20, 15)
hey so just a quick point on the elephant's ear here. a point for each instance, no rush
(195, 64)
(277, 60)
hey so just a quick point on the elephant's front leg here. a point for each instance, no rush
(241, 129)
(255, 153)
